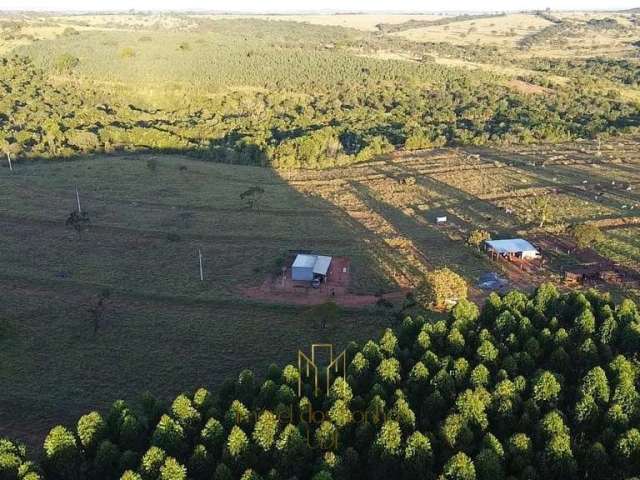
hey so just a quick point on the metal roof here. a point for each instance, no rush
(305, 261)
(511, 245)
(322, 265)
(319, 263)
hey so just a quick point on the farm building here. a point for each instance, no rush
(594, 273)
(512, 247)
(307, 267)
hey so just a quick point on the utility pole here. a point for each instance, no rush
(201, 269)
(78, 200)
(9, 160)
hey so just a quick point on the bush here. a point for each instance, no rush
(127, 52)
(441, 288)
(587, 235)
(65, 63)
(61, 454)
(70, 32)
(477, 237)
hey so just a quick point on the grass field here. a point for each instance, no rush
(163, 345)
(160, 310)
(623, 245)
(160, 316)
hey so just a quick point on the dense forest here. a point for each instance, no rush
(529, 387)
(284, 94)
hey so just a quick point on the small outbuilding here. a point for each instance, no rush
(512, 247)
(307, 267)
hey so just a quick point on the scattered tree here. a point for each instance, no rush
(543, 209)
(477, 237)
(79, 221)
(587, 235)
(98, 309)
(252, 196)
(65, 63)
(441, 288)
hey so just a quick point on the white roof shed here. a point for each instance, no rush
(513, 246)
(306, 266)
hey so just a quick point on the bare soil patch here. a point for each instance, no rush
(528, 88)
(282, 289)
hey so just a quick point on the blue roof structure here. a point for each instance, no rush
(489, 277)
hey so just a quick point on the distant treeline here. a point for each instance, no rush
(626, 72)
(411, 24)
(284, 95)
(284, 130)
(558, 32)
(548, 34)
(548, 16)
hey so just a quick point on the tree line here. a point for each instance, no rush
(368, 113)
(541, 386)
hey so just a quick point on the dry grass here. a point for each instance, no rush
(365, 22)
(28, 34)
(505, 30)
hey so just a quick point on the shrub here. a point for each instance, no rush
(127, 52)
(441, 288)
(65, 63)
(586, 235)
(477, 237)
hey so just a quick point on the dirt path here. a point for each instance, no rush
(349, 300)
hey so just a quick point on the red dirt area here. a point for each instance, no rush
(282, 289)
(596, 268)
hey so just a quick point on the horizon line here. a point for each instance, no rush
(299, 12)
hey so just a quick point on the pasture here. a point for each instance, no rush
(163, 329)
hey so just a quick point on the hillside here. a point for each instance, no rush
(161, 174)
(529, 387)
(258, 92)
